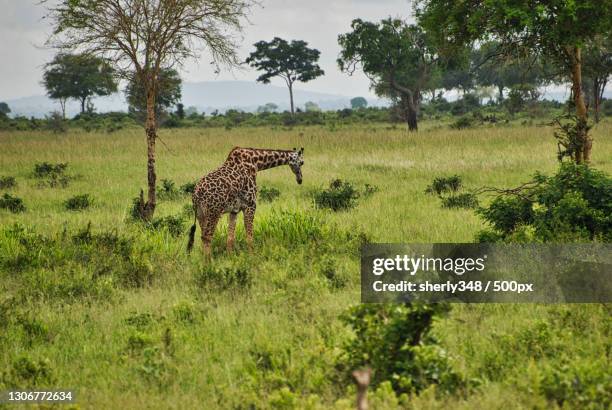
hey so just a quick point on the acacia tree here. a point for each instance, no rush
(396, 57)
(144, 36)
(291, 61)
(557, 29)
(78, 76)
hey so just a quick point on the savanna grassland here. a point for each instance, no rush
(92, 301)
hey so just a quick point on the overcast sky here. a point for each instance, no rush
(23, 32)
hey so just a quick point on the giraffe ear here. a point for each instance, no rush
(294, 148)
(302, 150)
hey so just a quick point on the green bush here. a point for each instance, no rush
(465, 200)
(174, 224)
(394, 340)
(268, 194)
(12, 203)
(224, 275)
(188, 188)
(7, 182)
(442, 185)
(573, 205)
(463, 122)
(168, 190)
(54, 175)
(78, 202)
(341, 195)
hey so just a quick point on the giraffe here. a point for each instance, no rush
(232, 188)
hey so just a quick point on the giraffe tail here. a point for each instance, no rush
(192, 232)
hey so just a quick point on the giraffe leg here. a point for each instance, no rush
(231, 231)
(203, 221)
(207, 234)
(249, 215)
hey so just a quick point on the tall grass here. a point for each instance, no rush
(120, 312)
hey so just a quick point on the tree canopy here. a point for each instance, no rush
(557, 29)
(292, 61)
(168, 93)
(397, 58)
(78, 76)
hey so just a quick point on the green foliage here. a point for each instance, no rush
(12, 203)
(7, 182)
(223, 276)
(168, 190)
(78, 202)
(465, 200)
(394, 340)
(78, 76)
(568, 134)
(56, 123)
(52, 175)
(573, 205)
(188, 188)
(463, 122)
(447, 189)
(340, 196)
(175, 225)
(168, 93)
(4, 109)
(445, 185)
(293, 61)
(358, 103)
(578, 385)
(26, 371)
(268, 194)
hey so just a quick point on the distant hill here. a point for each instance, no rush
(205, 96)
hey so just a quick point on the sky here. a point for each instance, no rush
(23, 31)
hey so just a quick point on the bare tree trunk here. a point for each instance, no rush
(151, 131)
(583, 153)
(83, 105)
(62, 102)
(291, 97)
(362, 379)
(500, 90)
(599, 85)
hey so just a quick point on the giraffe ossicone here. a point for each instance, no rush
(232, 188)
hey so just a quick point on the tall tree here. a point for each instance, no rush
(78, 76)
(292, 62)
(144, 36)
(494, 67)
(167, 94)
(557, 29)
(396, 57)
(597, 63)
(358, 102)
(4, 109)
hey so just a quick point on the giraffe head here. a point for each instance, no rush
(296, 160)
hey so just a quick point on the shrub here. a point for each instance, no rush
(441, 185)
(465, 200)
(78, 202)
(224, 276)
(12, 203)
(340, 195)
(188, 188)
(55, 174)
(56, 123)
(394, 340)
(463, 122)
(573, 205)
(7, 182)
(268, 194)
(175, 225)
(168, 190)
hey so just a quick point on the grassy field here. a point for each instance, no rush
(156, 328)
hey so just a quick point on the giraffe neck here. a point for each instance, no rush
(265, 159)
(262, 158)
